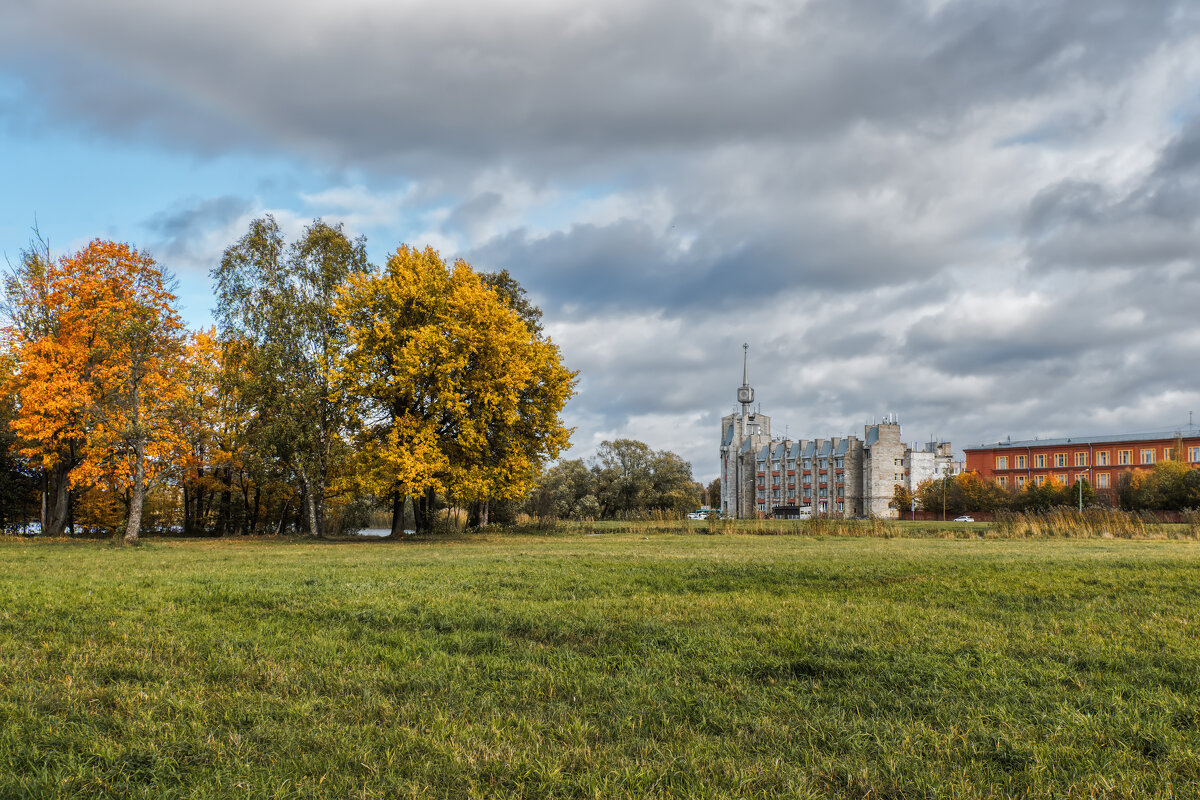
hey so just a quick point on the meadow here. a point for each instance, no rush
(620, 664)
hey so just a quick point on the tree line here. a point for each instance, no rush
(329, 387)
(1169, 486)
(625, 479)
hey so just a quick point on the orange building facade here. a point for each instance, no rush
(1097, 459)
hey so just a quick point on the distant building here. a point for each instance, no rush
(841, 476)
(1097, 459)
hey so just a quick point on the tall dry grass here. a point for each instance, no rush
(1092, 523)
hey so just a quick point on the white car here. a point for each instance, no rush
(964, 518)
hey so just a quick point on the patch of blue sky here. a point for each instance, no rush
(78, 188)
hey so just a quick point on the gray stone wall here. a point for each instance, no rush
(884, 468)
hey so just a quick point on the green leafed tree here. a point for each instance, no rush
(277, 299)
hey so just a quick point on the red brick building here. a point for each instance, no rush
(1097, 459)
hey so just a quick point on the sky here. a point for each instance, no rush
(980, 215)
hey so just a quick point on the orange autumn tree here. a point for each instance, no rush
(100, 386)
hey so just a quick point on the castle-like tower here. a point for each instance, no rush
(842, 476)
(741, 434)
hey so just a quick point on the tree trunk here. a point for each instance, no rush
(483, 513)
(282, 518)
(397, 515)
(258, 507)
(225, 508)
(187, 510)
(423, 510)
(312, 511)
(56, 500)
(138, 496)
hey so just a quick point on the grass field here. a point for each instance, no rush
(601, 666)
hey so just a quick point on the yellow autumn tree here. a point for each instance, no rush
(453, 390)
(98, 385)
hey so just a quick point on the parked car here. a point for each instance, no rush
(964, 518)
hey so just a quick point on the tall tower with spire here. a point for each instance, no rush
(745, 394)
(742, 435)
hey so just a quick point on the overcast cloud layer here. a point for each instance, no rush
(980, 215)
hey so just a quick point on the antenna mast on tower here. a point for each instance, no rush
(745, 394)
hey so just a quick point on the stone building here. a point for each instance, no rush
(839, 476)
(742, 436)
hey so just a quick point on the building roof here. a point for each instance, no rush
(1073, 440)
(872, 435)
(826, 446)
(842, 448)
(728, 437)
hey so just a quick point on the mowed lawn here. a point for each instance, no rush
(601, 666)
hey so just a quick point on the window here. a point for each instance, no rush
(824, 492)
(1060, 459)
(1062, 479)
(1020, 481)
(824, 463)
(1124, 457)
(1168, 453)
(1081, 477)
(841, 506)
(1194, 454)
(1102, 458)
(1039, 461)
(1039, 480)
(807, 493)
(841, 462)
(808, 463)
(1022, 462)
(1001, 462)
(1148, 456)
(1002, 480)
(1081, 459)
(791, 493)
(841, 492)
(1102, 480)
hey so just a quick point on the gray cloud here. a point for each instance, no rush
(1090, 225)
(557, 82)
(980, 214)
(179, 231)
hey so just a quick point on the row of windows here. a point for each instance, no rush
(1146, 455)
(824, 507)
(838, 463)
(791, 493)
(1103, 480)
(791, 483)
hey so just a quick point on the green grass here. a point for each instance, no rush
(601, 666)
